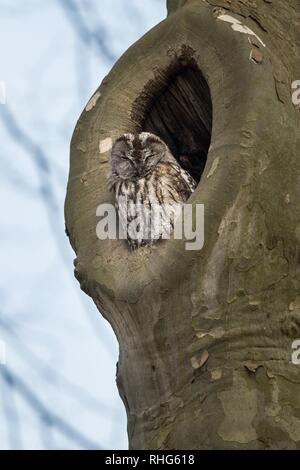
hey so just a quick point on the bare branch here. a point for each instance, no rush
(37, 363)
(40, 159)
(98, 38)
(44, 412)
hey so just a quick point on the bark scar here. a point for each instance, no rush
(239, 27)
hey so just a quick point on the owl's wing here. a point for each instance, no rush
(111, 180)
(177, 184)
(188, 179)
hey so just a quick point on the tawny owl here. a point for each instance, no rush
(147, 181)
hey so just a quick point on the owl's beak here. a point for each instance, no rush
(140, 170)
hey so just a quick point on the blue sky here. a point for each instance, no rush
(57, 389)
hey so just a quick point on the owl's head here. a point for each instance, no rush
(134, 156)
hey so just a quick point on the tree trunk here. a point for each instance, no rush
(205, 336)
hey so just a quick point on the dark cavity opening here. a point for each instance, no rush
(180, 113)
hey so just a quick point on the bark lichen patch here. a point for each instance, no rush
(93, 101)
(240, 408)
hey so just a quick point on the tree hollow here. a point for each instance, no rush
(180, 112)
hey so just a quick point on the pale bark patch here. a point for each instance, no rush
(213, 167)
(105, 145)
(240, 408)
(216, 374)
(93, 101)
(239, 27)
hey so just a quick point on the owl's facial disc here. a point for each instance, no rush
(149, 159)
(122, 165)
(135, 156)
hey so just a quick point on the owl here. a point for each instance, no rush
(149, 187)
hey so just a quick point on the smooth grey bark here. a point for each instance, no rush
(205, 336)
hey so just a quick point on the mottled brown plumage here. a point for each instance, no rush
(149, 187)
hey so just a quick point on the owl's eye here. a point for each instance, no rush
(149, 156)
(124, 157)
